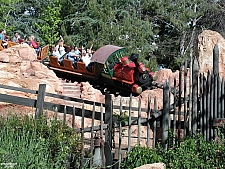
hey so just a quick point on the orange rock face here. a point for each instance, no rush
(206, 43)
(19, 68)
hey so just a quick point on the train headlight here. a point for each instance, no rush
(136, 89)
(153, 76)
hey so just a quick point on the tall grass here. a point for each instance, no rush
(32, 143)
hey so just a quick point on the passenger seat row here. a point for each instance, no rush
(66, 64)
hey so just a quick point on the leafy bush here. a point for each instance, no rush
(139, 156)
(193, 152)
(32, 143)
(152, 64)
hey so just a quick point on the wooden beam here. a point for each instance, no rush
(40, 100)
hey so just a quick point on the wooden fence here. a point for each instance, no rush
(197, 108)
(197, 111)
(108, 122)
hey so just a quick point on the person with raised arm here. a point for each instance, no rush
(60, 46)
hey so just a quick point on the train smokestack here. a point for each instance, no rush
(134, 58)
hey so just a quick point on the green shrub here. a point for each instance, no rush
(152, 64)
(32, 143)
(193, 152)
(139, 156)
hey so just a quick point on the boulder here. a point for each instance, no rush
(206, 43)
(20, 68)
(18, 53)
(155, 95)
(89, 93)
(152, 166)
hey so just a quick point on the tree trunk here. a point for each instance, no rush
(193, 34)
(182, 51)
(191, 58)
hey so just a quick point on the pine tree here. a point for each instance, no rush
(175, 21)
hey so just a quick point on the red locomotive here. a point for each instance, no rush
(109, 65)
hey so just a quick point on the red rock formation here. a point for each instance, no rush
(206, 43)
(20, 69)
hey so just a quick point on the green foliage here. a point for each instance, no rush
(176, 30)
(42, 19)
(139, 156)
(178, 62)
(193, 152)
(133, 24)
(109, 22)
(33, 143)
(6, 10)
(50, 20)
(123, 117)
(152, 64)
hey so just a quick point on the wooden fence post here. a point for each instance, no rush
(108, 133)
(190, 97)
(166, 115)
(108, 118)
(216, 59)
(195, 96)
(179, 104)
(216, 89)
(208, 107)
(40, 100)
(185, 98)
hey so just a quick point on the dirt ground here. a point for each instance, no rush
(6, 109)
